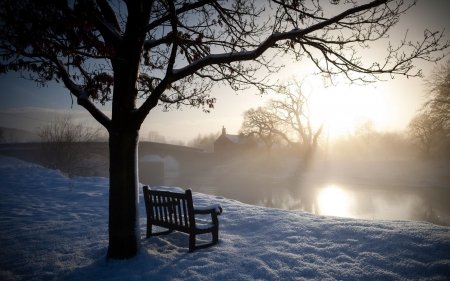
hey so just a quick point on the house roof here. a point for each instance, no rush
(237, 139)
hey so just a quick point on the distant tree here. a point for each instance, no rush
(154, 136)
(393, 145)
(343, 147)
(438, 104)
(438, 89)
(291, 112)
(366, 142)
(425, 133)
(205, 142)
(365, 129)
(11, 137)
(365, 136)
(63, 144)
(173, 52)
(262, 124)
(2, 135)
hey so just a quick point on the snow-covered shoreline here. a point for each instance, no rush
(55, 228)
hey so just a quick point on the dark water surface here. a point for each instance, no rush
(362, 202)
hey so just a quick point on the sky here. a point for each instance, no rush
(391, 104)
(55, 228)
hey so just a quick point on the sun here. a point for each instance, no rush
(340, 106)
(333, 201)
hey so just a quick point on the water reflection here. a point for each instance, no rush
(333, 201)
(364, 202)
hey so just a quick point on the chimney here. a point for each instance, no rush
(224, 132)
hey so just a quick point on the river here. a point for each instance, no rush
(353, 201)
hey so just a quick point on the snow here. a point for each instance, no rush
(166, 188)
(56, 228)
(216, 207)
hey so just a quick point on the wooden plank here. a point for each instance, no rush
(185, 214)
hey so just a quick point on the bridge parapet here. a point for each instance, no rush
(189, 158)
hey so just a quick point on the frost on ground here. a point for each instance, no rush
(55, 228)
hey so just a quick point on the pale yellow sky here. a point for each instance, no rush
(390, 104)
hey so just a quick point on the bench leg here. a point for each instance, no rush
(149, 230)
(151, 233)
(215, 233)
(191, 242)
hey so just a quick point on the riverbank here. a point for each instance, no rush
(55, 228)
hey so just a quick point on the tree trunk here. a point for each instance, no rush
(308, 155)
(124, 230)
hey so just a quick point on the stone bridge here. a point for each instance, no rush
(189, 158)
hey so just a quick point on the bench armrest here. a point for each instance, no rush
(217, 208)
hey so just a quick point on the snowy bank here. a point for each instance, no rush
(55, 228)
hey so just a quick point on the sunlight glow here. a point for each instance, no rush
(333, 201)
(340, 106)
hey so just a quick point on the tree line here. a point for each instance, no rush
(429, 129)
(203, 141)
(285, 121)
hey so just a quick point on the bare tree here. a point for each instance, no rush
(64, 147)
(365, 129)
(11, 137)
(173, 52)
(206, 141)
(365, 135)
(393, 145)
(292, 111)
(2, 135)
(425, 133)
(438, 88)
(263, 124)
(154, 136)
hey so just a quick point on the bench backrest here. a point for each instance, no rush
(170, 209)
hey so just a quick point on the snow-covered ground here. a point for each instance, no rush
(55, 228)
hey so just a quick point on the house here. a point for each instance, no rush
(228, 144)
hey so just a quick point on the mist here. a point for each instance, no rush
(377, 177)
(366, 174)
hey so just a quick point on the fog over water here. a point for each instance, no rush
(383, 197)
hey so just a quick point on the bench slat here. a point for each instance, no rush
(165, 208)
(180, 218)
(157, 207)
(185, 214)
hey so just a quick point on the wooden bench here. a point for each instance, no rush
(176, 211)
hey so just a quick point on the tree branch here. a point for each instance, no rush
(268, 43)
(82, 96)
(109, 14)
(185, 8)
